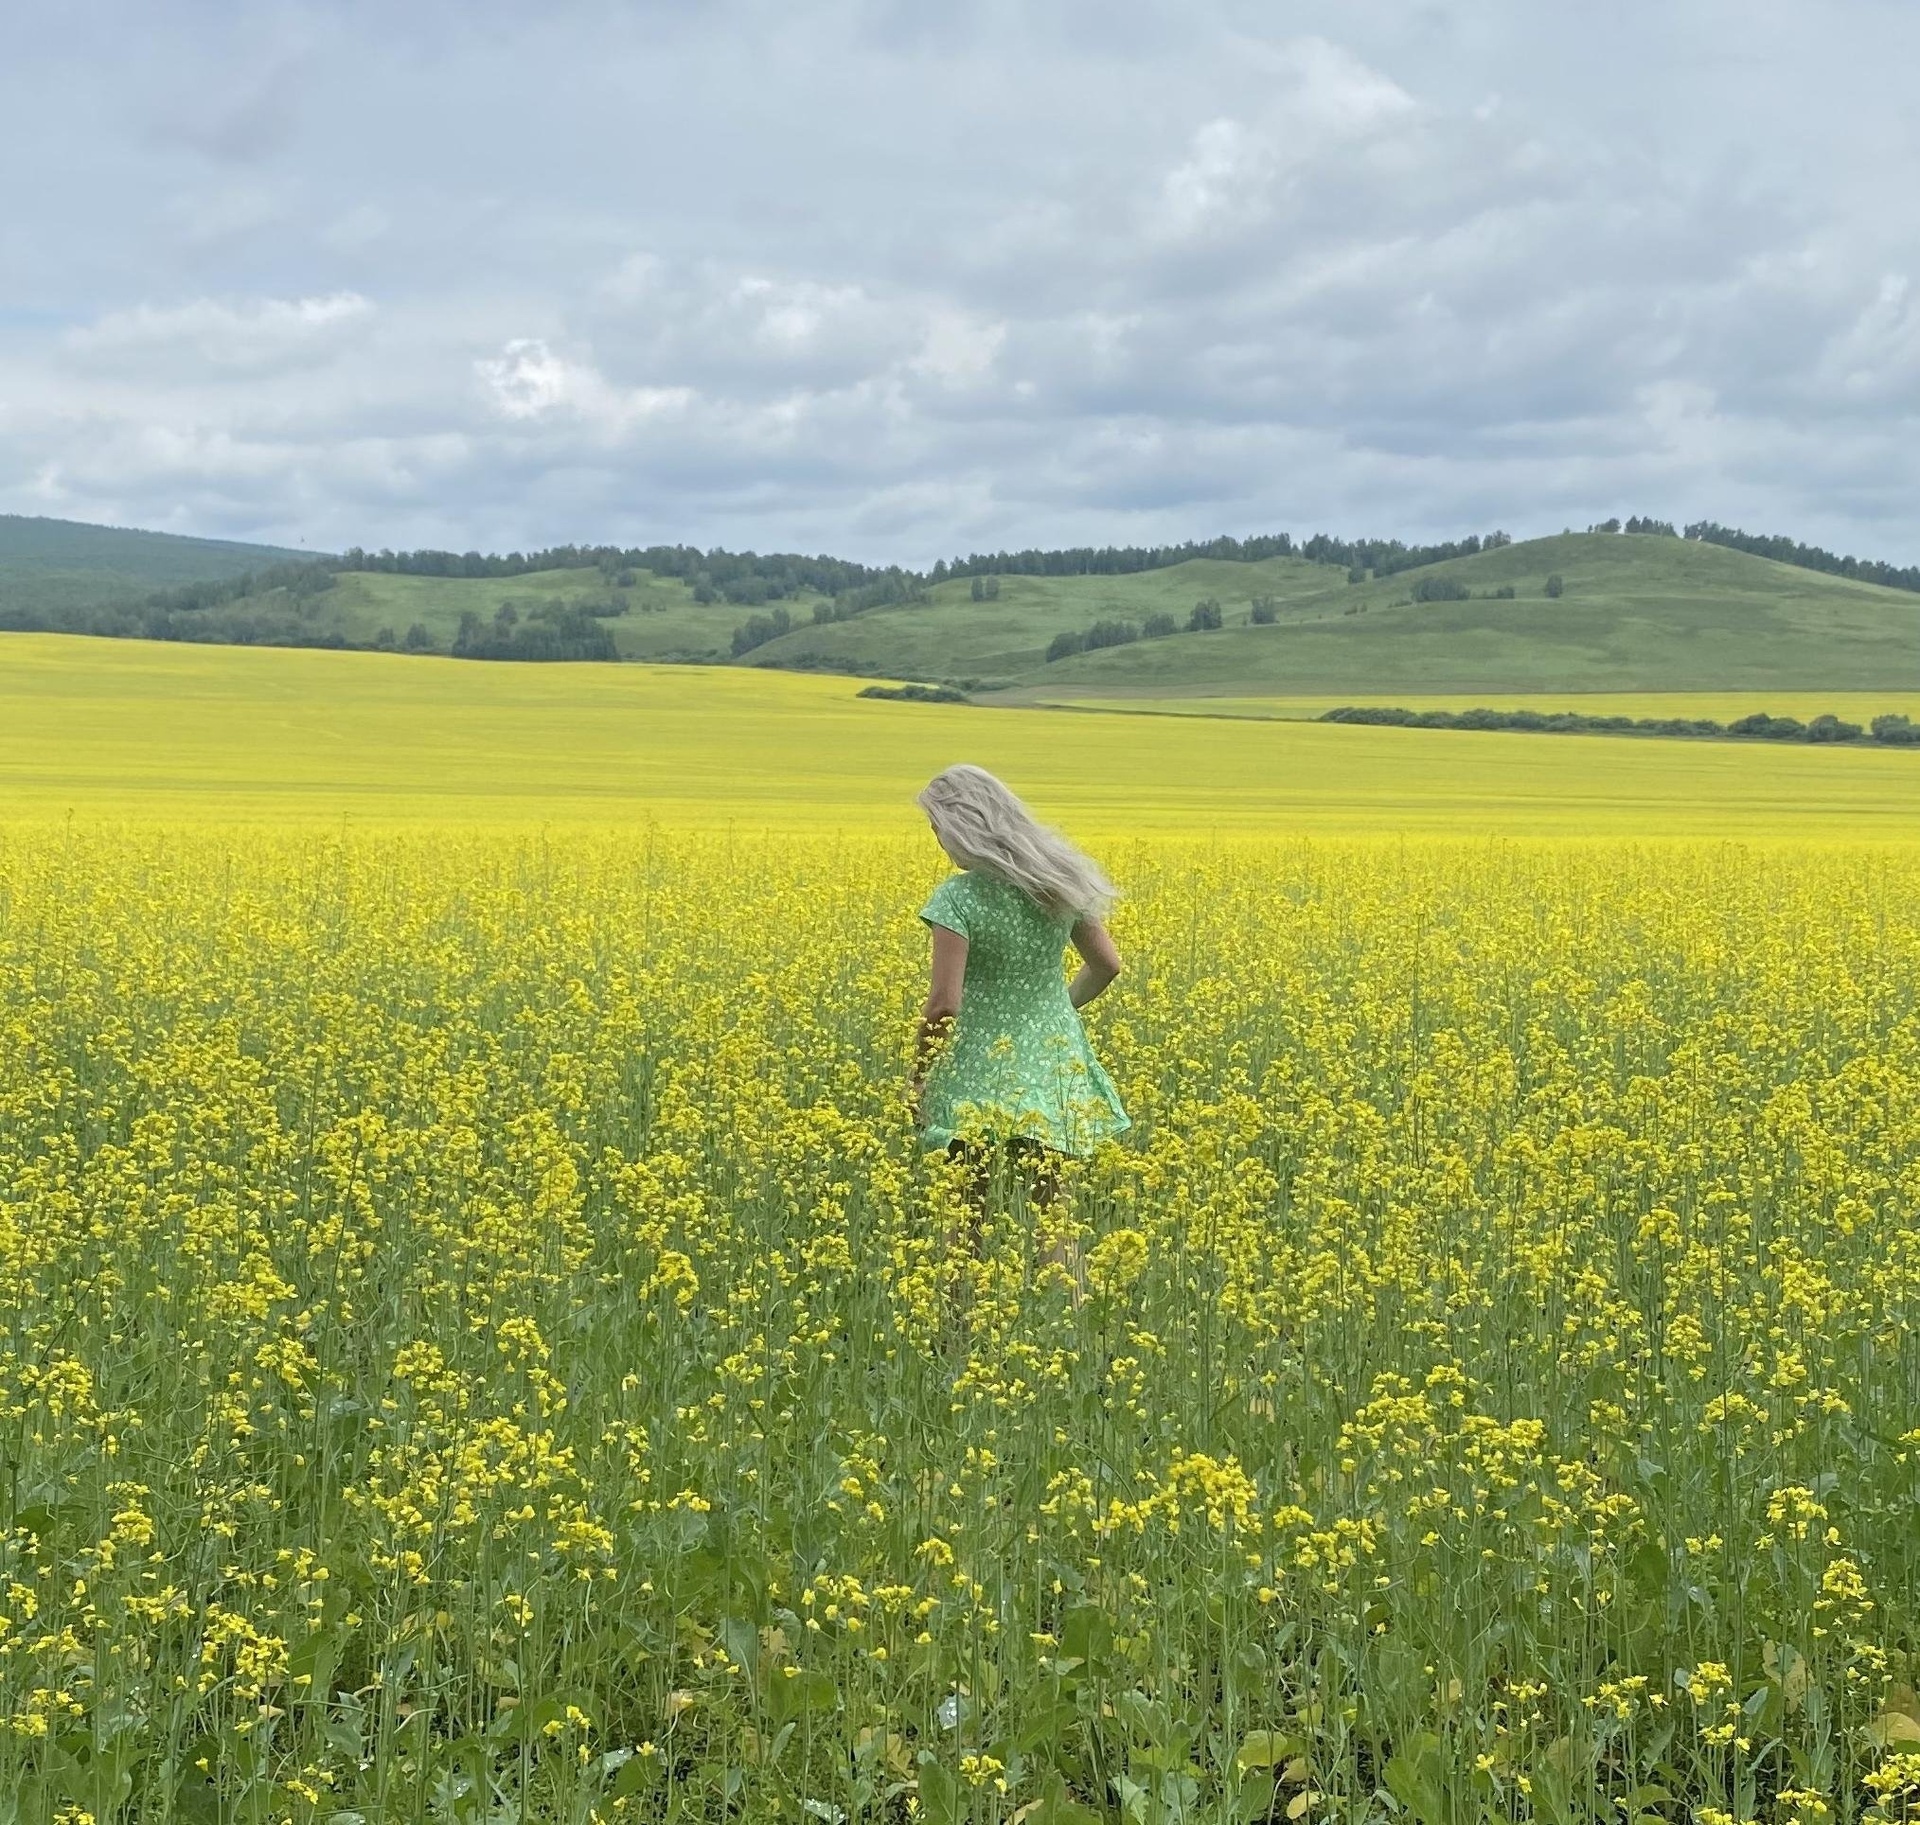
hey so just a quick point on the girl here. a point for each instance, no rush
(1015, 1069)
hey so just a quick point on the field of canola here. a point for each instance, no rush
(478, 1342)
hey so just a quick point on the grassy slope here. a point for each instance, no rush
(1639, 614)
(130, 729)
(952, 636)
(64, 563)
(662, 621)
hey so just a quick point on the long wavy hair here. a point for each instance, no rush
(981, 824)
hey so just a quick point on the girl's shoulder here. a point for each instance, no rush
(951, 902)
(972, 897)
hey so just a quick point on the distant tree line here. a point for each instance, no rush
(549, 631)
(1383, 557)
(1110, 560)
(1637, 524)
(276, 621)
(301, 579)
(1807, 557)
(267, 606)
(744, 579)
(1889, 731)
(1388, 557)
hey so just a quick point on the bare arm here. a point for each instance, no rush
(1099, 962)
(943, 998)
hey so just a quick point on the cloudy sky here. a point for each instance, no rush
(898, 280)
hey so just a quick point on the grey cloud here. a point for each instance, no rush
(863, 276)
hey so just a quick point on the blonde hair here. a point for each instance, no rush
(982, 825)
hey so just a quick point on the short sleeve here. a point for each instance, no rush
(947, 908)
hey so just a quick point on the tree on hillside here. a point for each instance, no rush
(1265, 611)
(1556, 586)
(1158, 627)
(1205, 617)
(759, 629)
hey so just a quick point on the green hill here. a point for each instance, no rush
(95, 579)
(52, 566)
(949, 635)
(651, 618)
(1636, 614)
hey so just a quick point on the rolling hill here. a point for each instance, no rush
(1637, 614)
(651, 619)
(949, 635)
(51, 566)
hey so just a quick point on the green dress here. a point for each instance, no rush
(1017, 1061)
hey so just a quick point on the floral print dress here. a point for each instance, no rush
(1017, 1061)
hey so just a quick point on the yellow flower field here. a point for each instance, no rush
(478, 1341)
(137, 729)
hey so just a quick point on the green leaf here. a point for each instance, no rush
(1415, 1777)
(742, 1642)
(635, 1775)
(1057, 1806)
(1086, 1634)
(1891, 1729)
(1265, 1749)
(807, 1693)
(1144, 1717)
(941, 1800)
(1046, 1724)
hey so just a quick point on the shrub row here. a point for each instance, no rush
(1890, 731)
(916, 693)
(550, 631)
(1205, 618)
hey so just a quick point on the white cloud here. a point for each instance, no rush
(1876, 358)
(1321, 100)
(959, 350)
(528, 381)
(1221, 178)
(262, 333)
